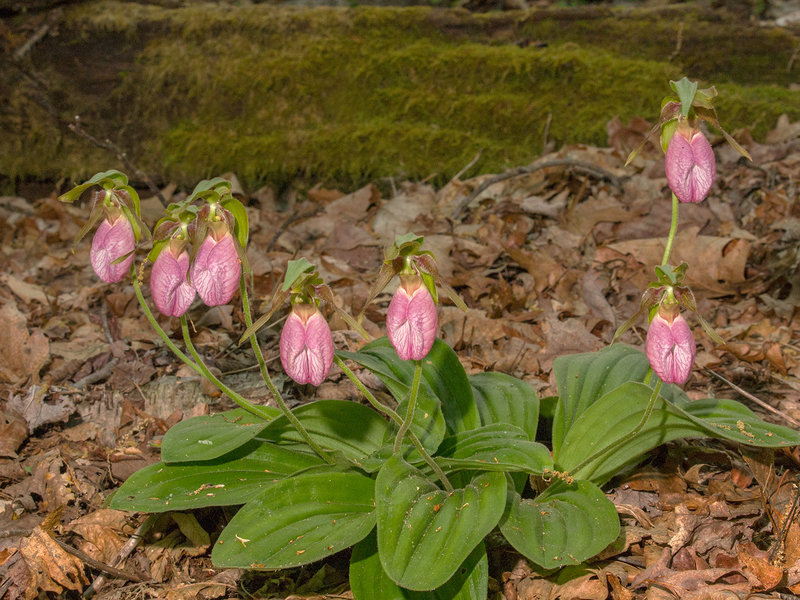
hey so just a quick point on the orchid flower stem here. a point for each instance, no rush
(673, 228)
(199, 367)
(412, 404)
(648, 411)
(262, 365)
(398, 420)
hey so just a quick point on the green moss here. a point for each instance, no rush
(355, 94)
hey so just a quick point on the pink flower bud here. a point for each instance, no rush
(690, 165)
(670, 349)
(411, 319)
(306, 345)
(113, 239)
(216, 270)
(171, 292)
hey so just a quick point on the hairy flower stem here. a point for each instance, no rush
(198, 366)
(262, 365)
(673, 228)
(412, 404)
(627, 438)
(398, 420)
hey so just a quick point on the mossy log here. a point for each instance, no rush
(353, 94)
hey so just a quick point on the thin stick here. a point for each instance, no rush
(123, 554)
(100, 566)
(577, 165)
(750, 396)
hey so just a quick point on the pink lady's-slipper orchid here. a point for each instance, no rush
(216, 268)
(690, 164)
(306, 345)
(171, 292)
(670, 346)
(112, 240)
(411, 319)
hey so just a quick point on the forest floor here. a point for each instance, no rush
(549, 262)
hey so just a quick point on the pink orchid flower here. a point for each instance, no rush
(670, 348)
(306, 345)
(171, 292)
(113, 240)
(216, 269)
(690, 165)
(411, 319)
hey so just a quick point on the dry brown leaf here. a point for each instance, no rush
(618, 592)
(101, 530)
(760, 573)
(22, 354)
(586, 587)
(36, 411)
(13, 431)
(715, 263)
(27, 292)
(52, 569)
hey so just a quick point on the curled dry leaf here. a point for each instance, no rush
(51, 568)
(22, 353)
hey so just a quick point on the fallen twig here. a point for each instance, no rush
(123, 553)
(750, 396)
(96, 564)
(574, 164)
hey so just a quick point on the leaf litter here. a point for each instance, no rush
(549, 261)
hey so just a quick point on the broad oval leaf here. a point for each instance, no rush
(299, 520)
(583, 379)
(609, 421)
(351, 428)
(369, 581)
(232, 479)
(564, 525)
(501, 398)
(497, 447)
(731, 420)
(442, 373)
(424, 532)
(210, 436)
(428, 422)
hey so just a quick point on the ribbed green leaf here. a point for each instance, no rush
(369, 581)
(498, 447)
(501, 398)
(564, 525)
(583, 379)
(442, 375)
(731, 420)
(299, 520)
(351, 428)
(424, 533)
(211, 436)
(232, 479)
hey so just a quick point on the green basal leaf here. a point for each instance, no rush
(369, 581)
(295, 270)
(582, 379)
(424, 532)
(730, 420)
(501, 398)
(686, 91)
(235, 478)
(210, 436)
(353, 429)
(496, 447)
(442, 376)
(611, 419)
(428, 422)
(299, 520)
(242, 229)
(564, 525)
